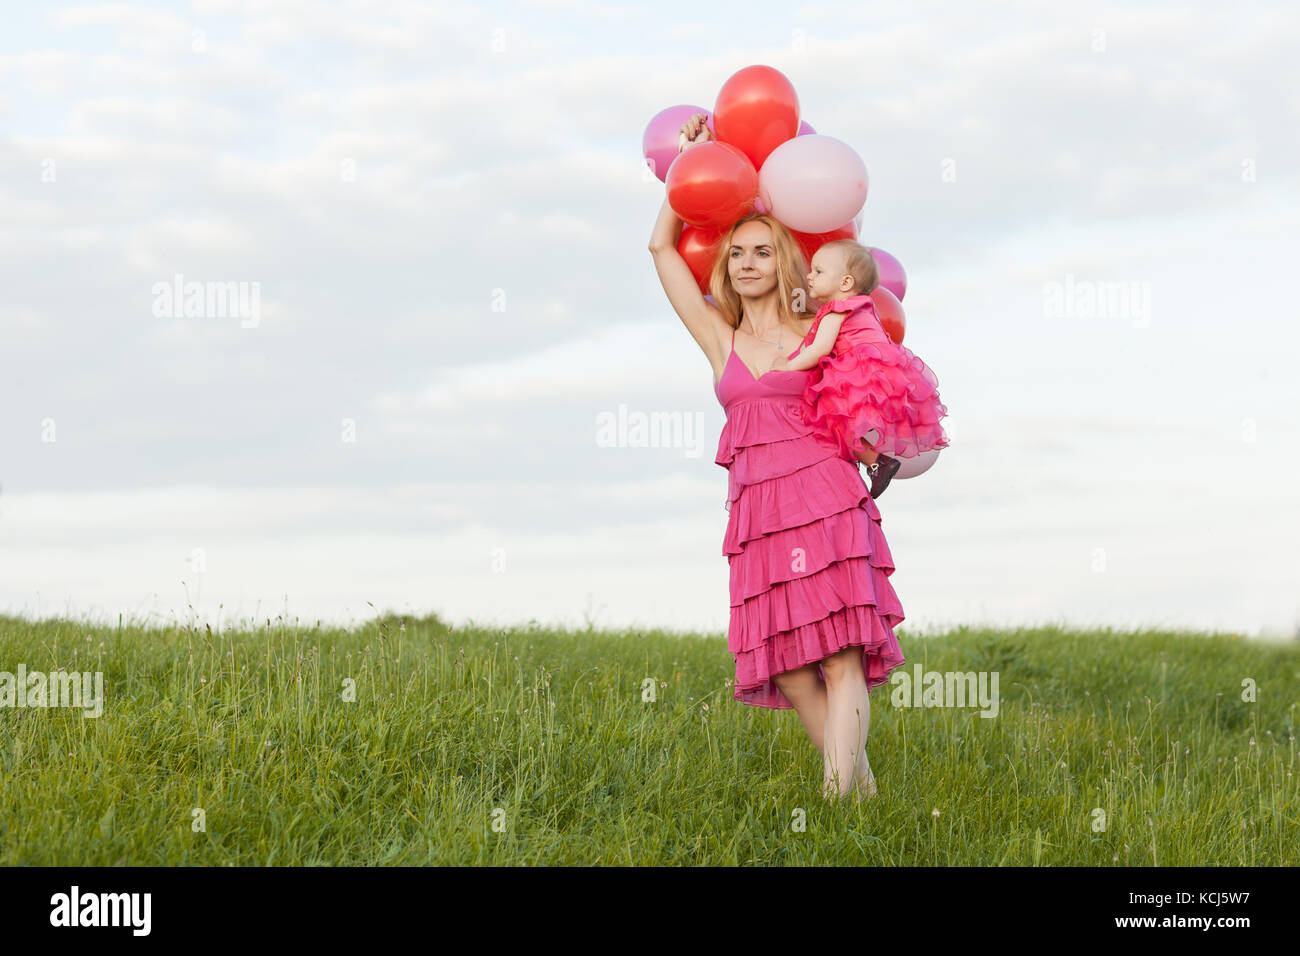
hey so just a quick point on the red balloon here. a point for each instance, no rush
(757, 110)
(890, 312)
(699, 247)
(712, 184)
(810, 242)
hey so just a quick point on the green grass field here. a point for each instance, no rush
(535, 746)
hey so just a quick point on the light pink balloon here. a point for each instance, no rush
(659, 142)
(892, 276)
(917, 464)
(813, 183)
(910, 467)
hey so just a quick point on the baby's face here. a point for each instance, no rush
(828, 270)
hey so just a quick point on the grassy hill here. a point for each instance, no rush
(538, 746)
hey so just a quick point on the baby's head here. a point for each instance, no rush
(842, 268)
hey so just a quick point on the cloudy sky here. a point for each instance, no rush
(436, 215)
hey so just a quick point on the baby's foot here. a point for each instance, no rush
(882, 472)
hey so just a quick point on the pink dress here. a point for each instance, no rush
(869, 383)
(809, 563)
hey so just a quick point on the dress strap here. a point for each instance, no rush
(733, 340)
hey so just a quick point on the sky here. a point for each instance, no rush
(435, 217)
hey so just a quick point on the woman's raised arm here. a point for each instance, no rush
(703, 321)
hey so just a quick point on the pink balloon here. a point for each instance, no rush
(805, 128)
(813, 183)
(659, 143)
(917, 464)
(759, 206)
(892, 276)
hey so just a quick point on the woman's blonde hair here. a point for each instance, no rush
(791, 272)
(858, 262)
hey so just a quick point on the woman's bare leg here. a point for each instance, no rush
(804, 687)
(848, 721)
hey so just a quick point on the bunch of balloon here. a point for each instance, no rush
(762, 156)
(751, 162)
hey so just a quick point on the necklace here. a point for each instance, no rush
(777, 343)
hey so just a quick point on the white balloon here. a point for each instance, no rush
(918, 464)
(813, 183)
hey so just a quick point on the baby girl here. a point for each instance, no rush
(868, 385)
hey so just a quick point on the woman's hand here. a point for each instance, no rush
(693, 131)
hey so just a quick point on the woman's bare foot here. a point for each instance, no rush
(864, 787)
(831, 790)
(865, 790)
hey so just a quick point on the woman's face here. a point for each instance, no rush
(751, 260)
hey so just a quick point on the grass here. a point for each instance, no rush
(531, 746)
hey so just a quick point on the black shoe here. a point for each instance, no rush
(882, 471)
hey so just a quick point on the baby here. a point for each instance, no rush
(868, 385)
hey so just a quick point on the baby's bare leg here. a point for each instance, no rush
(864, 452)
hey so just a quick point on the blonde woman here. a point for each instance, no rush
(812, 610)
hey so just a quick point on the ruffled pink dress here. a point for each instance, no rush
(809, 563)
(867, 383)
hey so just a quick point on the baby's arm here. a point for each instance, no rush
(821, 343)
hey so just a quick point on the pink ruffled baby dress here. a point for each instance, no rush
(809, 562)
(867, 383)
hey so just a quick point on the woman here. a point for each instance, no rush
(812, 610)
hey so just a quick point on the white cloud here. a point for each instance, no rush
(45, 72)
(21, 319)
(166, 117)
(610, 361)
(499, 149)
